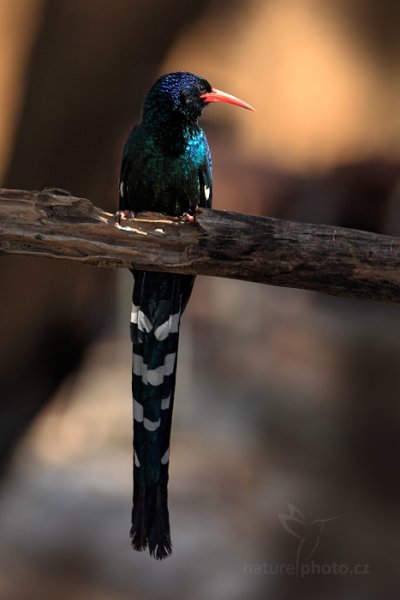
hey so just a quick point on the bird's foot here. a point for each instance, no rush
(186, 217)
(123, 215)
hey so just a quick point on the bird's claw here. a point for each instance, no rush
(187, 218)
(123, 215)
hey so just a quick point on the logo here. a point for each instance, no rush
(307, 532)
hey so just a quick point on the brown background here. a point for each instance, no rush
(282, 396)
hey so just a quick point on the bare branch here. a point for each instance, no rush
(337, 261)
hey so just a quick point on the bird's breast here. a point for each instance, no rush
(164, 177)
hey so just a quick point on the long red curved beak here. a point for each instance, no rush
(218, 96)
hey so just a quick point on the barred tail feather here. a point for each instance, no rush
(155, 319)
(159, 536)
(138, 530)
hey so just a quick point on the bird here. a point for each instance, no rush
(166, 168)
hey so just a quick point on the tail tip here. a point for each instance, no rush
(150, 521)
(137, 541)
(158, 551)
(161, 551)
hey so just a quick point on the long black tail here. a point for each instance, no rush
(157, 304)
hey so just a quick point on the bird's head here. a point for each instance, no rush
(182, 96)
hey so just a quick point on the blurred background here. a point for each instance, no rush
(284, 397)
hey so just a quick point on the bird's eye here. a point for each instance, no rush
(202, 88)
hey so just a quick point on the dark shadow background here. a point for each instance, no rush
(285, 397)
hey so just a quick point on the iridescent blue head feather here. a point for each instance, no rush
(176, 95)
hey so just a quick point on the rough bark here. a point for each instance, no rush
(334, 260)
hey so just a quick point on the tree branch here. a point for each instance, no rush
(334, 260)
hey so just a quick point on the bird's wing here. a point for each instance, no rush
(205, 179)
(124, 174)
